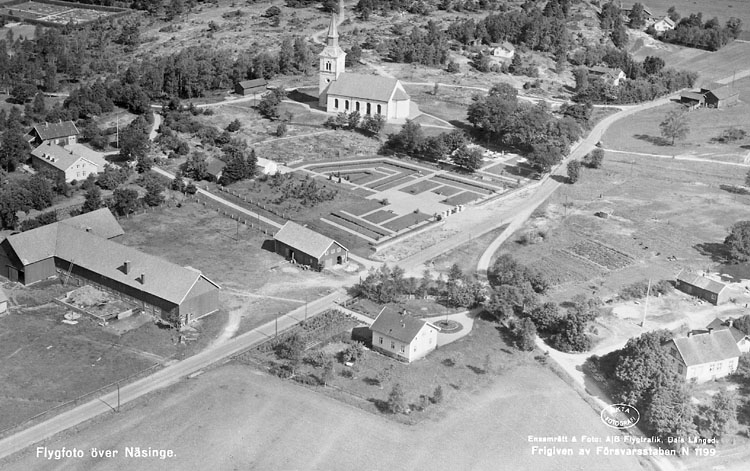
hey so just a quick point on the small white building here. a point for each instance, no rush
(664, 24)
(73, 162)
(3, 302)
(705, 356)
(504, 50)
(402, 336)
(609, 75)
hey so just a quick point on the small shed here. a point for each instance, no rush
(692, 99)
(722, 97)
(250, 87)
(702, 287)
(3, 302)
(306, 247)
(215, 167)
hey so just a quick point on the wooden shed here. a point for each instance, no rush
(306, 247)
(250, 87)
(702, 287)
(722, 97)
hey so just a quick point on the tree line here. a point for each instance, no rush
(692, 31)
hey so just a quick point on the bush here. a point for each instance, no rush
(437, 396)
(594, 158)
(639, 289)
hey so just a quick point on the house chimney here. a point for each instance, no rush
(710, 329)
(143, 278)
(689, 333)
(127, 266)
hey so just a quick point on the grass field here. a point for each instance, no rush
(722, 9)
(641, 132)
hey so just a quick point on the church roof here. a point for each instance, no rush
(332, 31)
(367, 87)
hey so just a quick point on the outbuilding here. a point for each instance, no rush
(722, 97)
(702, 287)
(306, 247)
(250, 87)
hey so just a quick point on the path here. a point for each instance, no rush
(681, 157)
(224, 202)
(162, 378)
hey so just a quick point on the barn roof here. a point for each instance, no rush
(56, 130)
(41, 243)
(304, 239)
(700, 281)
(63, 158)
(365, 87)
(707, 347)
(724, 92)
(253, 83)
(692, 96)
(148, 273)
(400, 326)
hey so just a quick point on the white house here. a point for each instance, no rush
(705, 356)
(402, 336)
(504, 50)
(73, 162)
(664, 24)
(340, 91)
(609, 75)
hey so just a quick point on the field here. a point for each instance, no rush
(654, 209)
(234, 417)
(640, 132)
(722, 9)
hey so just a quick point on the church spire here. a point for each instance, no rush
(333, 34)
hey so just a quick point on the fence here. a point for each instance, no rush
(241, 218)
(13, 429)
(256, 206)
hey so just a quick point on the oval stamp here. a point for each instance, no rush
(620, 416)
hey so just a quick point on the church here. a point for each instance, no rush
(341, 91)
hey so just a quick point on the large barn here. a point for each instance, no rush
(703, 287)
(81, 253)
(306, 247)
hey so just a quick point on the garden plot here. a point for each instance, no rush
(420, 187)
(462, 198)
(380, 216)
(600, 254)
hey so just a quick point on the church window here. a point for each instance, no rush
(368, 108)
(346, 105)
(336, 103)
(328, 66)
(380, 110)
(356, 106)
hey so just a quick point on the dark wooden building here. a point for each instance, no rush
(81, 254)
(702, 287)
(250, 87)
(306, 247)
(62, 133)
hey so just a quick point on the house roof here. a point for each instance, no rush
(253, 83)
(214, 166)
(41, 243)
(366, 87)
(723, 92)
(304, 239)
(400, 326)
(707, 347)
(668, 21)
(608, 71)
(64, 157)
(701, 281)
(718, 324)
(148, 273)
(56, 130)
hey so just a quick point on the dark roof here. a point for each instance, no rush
(701, 282)
(718, 324)
(304, 239)
(707, 347)
(56, 130)
(724, 92)
(214, 166)
(253, 83)
(692, 96)
(41, 243)
(365, 87)
(401, 327)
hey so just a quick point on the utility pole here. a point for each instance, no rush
(645, 308)
(277, 325)
(117, 133)
(306, 296)
(118, 396)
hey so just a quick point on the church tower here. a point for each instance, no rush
(331, 61)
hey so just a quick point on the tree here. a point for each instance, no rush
(373, 124)
(524, 334)
(134, 141)
(675, 125)
(437, 395)
(396, 400)
(574, 171)
(234, 126)
(126, 200)
(637, 16)
(327, 375)
(669, 411)
(738, 241)
(13, 148)
(286, 55)
(353, 119)
(720, 418)
(408, 140)
(93, 199)
(281, 129)
(291, 349)
(468, 158)
(39, 191)
(154, 193)
(594, 158)
(269, 105)
(195, 167)
(274, 14)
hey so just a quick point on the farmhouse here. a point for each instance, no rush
(722, 97)
(3, 302)
(73, 162)
(250, 87)
(402, 336)
(85, 256)
(608, 75)
(306, 247)
(340, 91)
(504, 50)
(62, 133)
(705, 356)
(702, 287)
(664, 24)
(742, 339)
